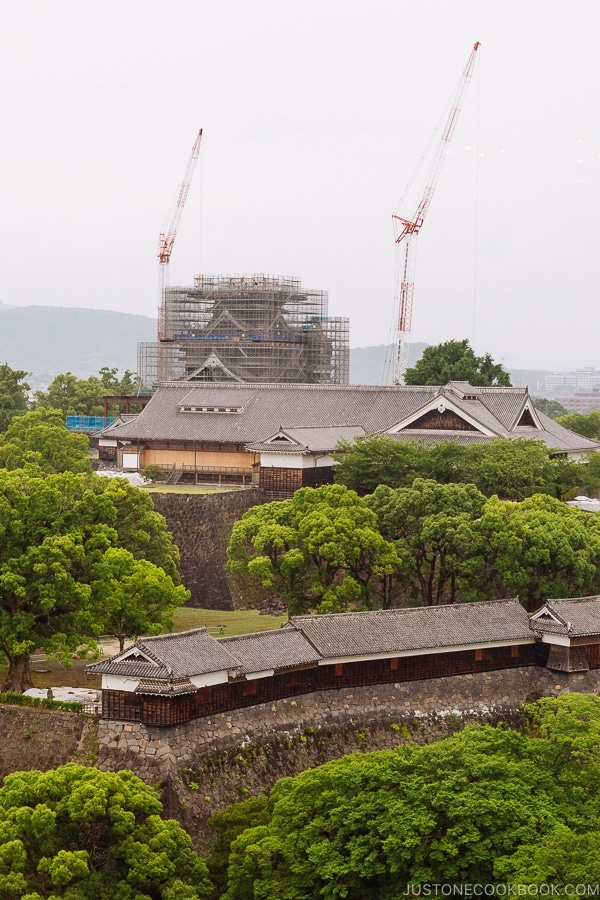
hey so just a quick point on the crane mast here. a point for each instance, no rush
(407, 230)
(167, 239)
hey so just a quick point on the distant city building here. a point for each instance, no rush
(587, 379)
(581, 402)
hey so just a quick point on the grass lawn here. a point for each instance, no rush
(243, 621)
(247, 621)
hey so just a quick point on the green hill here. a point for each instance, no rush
(48, 340)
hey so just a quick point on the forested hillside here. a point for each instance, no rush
(49, 340)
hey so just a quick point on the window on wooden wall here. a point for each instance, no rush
(479, 655)
(514, 652)
(394, 664)
(338, 670)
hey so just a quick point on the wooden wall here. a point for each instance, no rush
(154, 710)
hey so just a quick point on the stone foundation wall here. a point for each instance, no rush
(36, 738)
(211, 762)
(201, 526)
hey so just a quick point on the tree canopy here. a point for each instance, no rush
(75, 396)
(587, 425)
(320, 549)
(81, 834)
(40, 438)
(13, 394)
(435, 531)
(512, 469)
(486, 805)
(328, 550)
(456, 361)
(537, 549)
(64, 539)
(552, 408)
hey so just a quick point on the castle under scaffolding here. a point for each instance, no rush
(247, 328)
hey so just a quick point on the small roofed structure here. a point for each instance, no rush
(572, 629)
(177, 677)
(292, 458)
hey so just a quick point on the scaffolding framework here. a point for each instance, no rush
(247, 328)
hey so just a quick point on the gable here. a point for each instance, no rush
(526, 420)
(442, 414)
(135, 654)
(447, 420)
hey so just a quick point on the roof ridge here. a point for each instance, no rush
(252, 634)
(406, 609)
(170, 634)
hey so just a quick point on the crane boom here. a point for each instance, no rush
(169, 233)
(407, 230)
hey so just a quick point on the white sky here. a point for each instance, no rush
(315, 114)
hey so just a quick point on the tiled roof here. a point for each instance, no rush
(166, 688)
(312, 438)
(415, 628)
(179, 655)
(267, 407)
(298, 407)
(576, 617)
(268, 650)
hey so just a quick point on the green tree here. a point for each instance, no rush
(434, 527)
(73, 396)
(55, 532)
(40, 438)
(81, 834)
(456, 361)
(319, 550)
(368, 825)
(587, 426)
(137, 597)
(368, 462)
(552, 408)
(513, 469)
(13, 394)
(536, 549)
(227, 825)
(83, 396)
(113, 384)
(588, 481)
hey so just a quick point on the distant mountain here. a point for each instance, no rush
(49, 340)
(375, 365)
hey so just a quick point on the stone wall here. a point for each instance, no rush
(201, 526)
(211, 762)
(36, 738)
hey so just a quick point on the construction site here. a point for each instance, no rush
(246, 328)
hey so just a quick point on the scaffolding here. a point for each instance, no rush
(247, 328)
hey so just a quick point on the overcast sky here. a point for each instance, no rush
(315, 114)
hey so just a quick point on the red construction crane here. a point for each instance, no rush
(168, 235)
(408, 229)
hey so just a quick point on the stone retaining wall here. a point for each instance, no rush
(201, 526)
(211, 762)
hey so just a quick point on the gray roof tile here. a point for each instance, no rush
(268, 650)
(415, 628)
(178, 655)
(578, 617)
(311, 438)
(267, 407)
